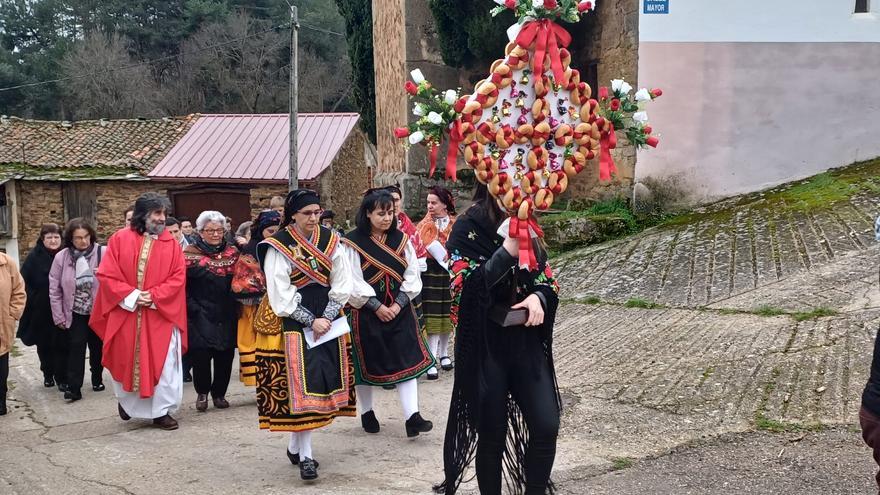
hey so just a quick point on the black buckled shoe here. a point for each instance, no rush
(432, 373)
(446, 363)
(99, 387)
(73, 395)
(416, 424)
(63, 387)
(294, 459)
(308, 469)
(369, 422)
(48, 382)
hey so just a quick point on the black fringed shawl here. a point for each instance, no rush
(472, 242)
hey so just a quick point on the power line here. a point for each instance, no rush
(146, 62)
(321, 30)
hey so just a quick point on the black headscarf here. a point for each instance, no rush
(296, 201)
(264, 220)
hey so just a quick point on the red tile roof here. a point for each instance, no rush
(255, 147)
(133, 145)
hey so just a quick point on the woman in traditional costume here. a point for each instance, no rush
(389, 347)
(211, 309)
(433, 232)
(308, 281)
(505, 402)
(249, 287)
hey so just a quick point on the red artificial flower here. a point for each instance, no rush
(615, 104)
(550, 4)
(401, 132)
(656, 92)
(652, 141)
(603, 93)
(585, 6)
(411, 88)
(510, 4)
(647, 129)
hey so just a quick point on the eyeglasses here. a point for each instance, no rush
(213, 231)
(316, 213)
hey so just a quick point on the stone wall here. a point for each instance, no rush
(605, 46)
(261, 195)
(342, 185)
(38, 203)
(114, 197)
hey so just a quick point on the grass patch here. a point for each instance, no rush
(591, 300)
(619, 463)
(812, 315)
(817, 192)
(766, 310)
(641, 303)
(764, 423)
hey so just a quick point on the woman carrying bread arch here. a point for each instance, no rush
(433, 232)
(308, 281)
(389, 347)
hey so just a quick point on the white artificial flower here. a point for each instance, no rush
(643, 95)
(435, 118)
(641, 117)
(499, 2)
(417, 76)
(625, 88)
(450, 96)
(419, 110)
(416, 137)
(619, 85)
(538, 4)
(616, 84)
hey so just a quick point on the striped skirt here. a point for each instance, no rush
(247, 346)
(436, 298)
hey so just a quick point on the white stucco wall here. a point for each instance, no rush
(759, 93)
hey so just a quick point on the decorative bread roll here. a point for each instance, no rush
(540, 110)
(472, 112)
(517, 56)
(541, 134)
(563, 135)
(505, 137)
(573, 78)
(498, 184)
(487, 94)
(543, 199)
(537, 158)
(524, 133)
(473, 153)
(529, 183)
(468, 132)
(558, 182)
(573, 164)
(502, 75)
(486, 132)
(542, 86)
(525, 209)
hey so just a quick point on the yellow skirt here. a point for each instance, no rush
(247, 346)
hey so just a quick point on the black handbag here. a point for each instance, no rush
(503, 315)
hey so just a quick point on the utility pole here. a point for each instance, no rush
(293, 182)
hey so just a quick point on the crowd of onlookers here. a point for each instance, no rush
(54, 291)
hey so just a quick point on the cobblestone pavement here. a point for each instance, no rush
(724, 377)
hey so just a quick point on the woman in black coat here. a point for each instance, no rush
(36, 326)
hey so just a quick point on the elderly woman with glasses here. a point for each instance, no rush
(212, 312)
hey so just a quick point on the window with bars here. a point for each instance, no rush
(862, 6)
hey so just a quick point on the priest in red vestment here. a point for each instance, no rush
(140, 314)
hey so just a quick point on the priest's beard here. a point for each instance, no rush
(155, 228)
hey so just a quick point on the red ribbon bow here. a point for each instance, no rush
(548, 37)
(607, 142)
(519, 229)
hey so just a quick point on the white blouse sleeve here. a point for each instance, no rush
(361, 291)
(412, 277)
(283, 296)
(341, 278)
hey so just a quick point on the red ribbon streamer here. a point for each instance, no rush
(435, 148)
(520, 230)
(455, 139)
(548, 37)
(607, 142)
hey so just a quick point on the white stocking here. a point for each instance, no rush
(434, 344)
(409, 397)
(364, 395)
(444, 345)
(293, 446)
(305, 444)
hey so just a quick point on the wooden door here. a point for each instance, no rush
(80, 201)
(234, 203)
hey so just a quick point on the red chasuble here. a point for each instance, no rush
(136, 343)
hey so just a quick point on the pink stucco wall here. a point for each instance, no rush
(739, 117)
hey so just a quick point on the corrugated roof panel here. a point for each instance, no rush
(232, 147)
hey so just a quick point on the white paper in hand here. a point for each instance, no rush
(437, 251)
(338, 328)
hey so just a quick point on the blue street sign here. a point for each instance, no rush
(656, 7)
